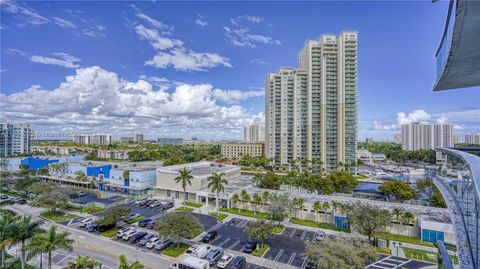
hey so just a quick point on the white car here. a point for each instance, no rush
(192, 249)
(123, 231)
(126, 236)
(152, 242)
(86, 221)
(140, 200)
(225, 260)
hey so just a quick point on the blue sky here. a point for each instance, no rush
(197, 69)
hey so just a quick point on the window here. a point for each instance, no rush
(168, 193)
(432, 236)
(186, 196)
(177, 194)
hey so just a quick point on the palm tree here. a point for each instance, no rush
(123, 263)
(256, 199)
(235, 199)
(48, 242)
(301, 206)
(25, 229)
(335, 205)
(83, 262)
(325, 207)
(7, 225)
(256, 179)
(184, 178)
(317, 206)
(80, 176)
(408, 218)
(397, 213)
(265, 198)
(216, 186)
(245, 198)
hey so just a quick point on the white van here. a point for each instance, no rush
(201, 251)
(190, 262)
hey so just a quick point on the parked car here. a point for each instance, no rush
(103, 228)
(191, 249)
(310, 265)
(214, 255)
(139, 201)
(81, 193)
(20, 201)
(152, 242)
(250, 247)
(319, 236)
(143, 222)
(138, 236)
(145, 239)
(155, 204)
(142, 203)
(238, 262)
(86, 221)
(133, 215)
(151, 224)
(92, 227)
(189, 262)
(209, 236)
(148, 203)
(225, 260)
(166, 205)
(163, 243)
(123, 231)
(3, 196)
(128, 235)
(201, 251)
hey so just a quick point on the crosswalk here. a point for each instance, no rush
(388, 262)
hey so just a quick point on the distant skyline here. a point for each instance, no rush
(197, 69)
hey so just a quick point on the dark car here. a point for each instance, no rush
(310, 265)
(3, 196)
(104, 228)
(151, 224)
(137, 237)
(20, 201)
(144, 222)
(92, 227)
(147, 204)
(214, 255)
(167, 205)
(238, 262)
(143, 202)
(209, 236)
(250, 247)
(145, 239)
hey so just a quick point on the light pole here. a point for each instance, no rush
(396, 245)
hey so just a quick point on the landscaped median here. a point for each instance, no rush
(402, 238)
(174, 252)
(322, 225)
(220, 216)
(192, 204)
(246, 213)
(186, 208)
(424, 255)
(278, 229)
(110, 233)
(92, 209)
(57, 216)
(131, 221)
(260, 251)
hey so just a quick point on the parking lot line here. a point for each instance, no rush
(279, 254)
(224, 242)
(291, 258)
(218, 237)
(234, 244)
(304, 263)
(303, 234)
(60, 261)
(292, 233)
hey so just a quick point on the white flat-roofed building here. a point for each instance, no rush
(254, 132)
(419, 136)
(120, 154)
(472, 138)
(93, 139)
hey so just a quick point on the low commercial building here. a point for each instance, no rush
(138, 181)
(436, 227)
(367, 157)
(237, 150)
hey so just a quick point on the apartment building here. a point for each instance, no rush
(15, 139)
(237, 150)
(472, 138)
(93, 139)
(419, 136)
(254, 132)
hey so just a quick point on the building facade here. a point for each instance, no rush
(139, 138)
(126, 139)
(237, 150)
(311, 112)
(418, 136)
(93, 139)
(15, 139)
(170, 141)
(253, 133)
(472, 139)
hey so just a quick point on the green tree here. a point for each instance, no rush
(114, 215)
(24, 169)
(83, 262)
(334, 205)
(265, 199)
(343, 182)
(178, 226)
(259, 230)
(399, 189)
(7, 232)
(245, 198)
(408, 218)
(126, 174)
(49, 242)
(397, 213)
(216, 185)
(235, 200)
(25, 229)
(185, 179)
(341, 253)
(367, 219)
(124, 264)
(53, 200)
(80, 176)
(298, 203)
(43, 171)
(279, 207)
(437, 199)
(326, 207)
(257, 178)
(426, 187)
(317, 206)
(256, 200)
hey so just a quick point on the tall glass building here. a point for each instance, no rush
(15, 139)
(311, 112)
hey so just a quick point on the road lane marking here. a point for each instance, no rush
(279, 254)
(224, 242)
(303, 235)
(291, 258)
(234, 244)
(292, 233)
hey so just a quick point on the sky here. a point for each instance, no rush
(197, 69)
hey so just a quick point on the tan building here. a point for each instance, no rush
(113, 154)
(237, 150)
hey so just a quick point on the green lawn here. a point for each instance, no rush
(173, 251)
(131, 221)
(260, 251)
(278, 229)
(92, 209)
(359, 177)
(184, 208)
(57, 216)
(323, 225)
(192, 204)
(221, 216)
(246, 213)
(419, 254)
(403, 238)
(13, 192)
(383, 250)
(123, 199)
(110, 233)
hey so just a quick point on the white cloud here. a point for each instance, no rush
(16, 52)
(171, 52)
(418, 115)
(61, 59)
(200, 21)
(94, 98)
(24, 14)
(240, 34)
(63, 22)
(259, 61)
(387, 127)
(234, 96)
(164, 28)
(442, 120)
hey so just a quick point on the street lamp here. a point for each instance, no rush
(397, 245)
